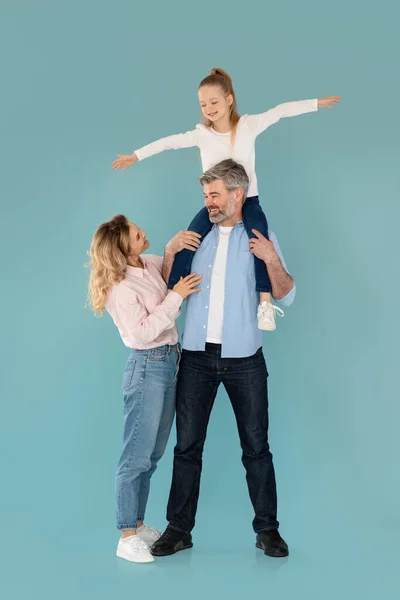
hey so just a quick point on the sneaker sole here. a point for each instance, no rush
(147, 559)
(266, 326)
(270, 553)
(173, 551)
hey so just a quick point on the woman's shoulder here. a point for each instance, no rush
(118, 291)
(154, 260)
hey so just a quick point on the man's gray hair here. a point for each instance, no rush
(231, 173)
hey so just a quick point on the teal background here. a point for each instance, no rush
(83, 80)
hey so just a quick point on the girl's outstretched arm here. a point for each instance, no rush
(172, 142)
(262, 121)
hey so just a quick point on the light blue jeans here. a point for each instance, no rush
(149, 388)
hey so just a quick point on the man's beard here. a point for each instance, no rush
(224, 213)
(218, 218)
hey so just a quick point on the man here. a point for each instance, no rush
(222, 344)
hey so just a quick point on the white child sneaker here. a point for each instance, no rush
(266, 316)
(134, 549)
(148, 534)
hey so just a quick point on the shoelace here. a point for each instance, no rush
(168, 533)
(278, 311)
(137, 543)
(274, 309)
(154, 533)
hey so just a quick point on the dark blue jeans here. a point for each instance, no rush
(253, 218)
(245, 380)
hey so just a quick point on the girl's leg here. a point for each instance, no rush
(254, 218)
(145, 382)
(183, 260)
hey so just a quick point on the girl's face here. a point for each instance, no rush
(214, 104)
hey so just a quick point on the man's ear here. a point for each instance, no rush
(239, 195)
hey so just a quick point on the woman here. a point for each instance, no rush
(131, 287)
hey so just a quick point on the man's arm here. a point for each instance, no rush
(281, 281)
(283, 287)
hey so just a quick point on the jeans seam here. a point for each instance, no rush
(135, 429)
(131, 372)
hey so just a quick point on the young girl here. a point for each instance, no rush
(223, 134)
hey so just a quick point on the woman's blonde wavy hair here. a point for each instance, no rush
(109, 253)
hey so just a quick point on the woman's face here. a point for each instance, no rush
(214, 105)
(137, 240)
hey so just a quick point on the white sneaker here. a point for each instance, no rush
(266, 316)
(134, 549)
(148, 534)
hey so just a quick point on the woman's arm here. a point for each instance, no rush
(144, 327)
(183, 239)
(141, 326)
(172, 142)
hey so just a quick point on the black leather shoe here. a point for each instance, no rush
(170, 542)
(272, 544)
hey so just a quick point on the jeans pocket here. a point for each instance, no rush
(128, 375)
(157, 354)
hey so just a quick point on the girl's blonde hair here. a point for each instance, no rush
(109, 252)
(222, 79)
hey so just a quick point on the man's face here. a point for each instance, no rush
(221, 204)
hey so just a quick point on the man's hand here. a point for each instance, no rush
(263, 248)
(183, 239)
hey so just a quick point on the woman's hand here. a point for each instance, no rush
(125, 161)
(187, 286)
(326, 102)
(183, 239)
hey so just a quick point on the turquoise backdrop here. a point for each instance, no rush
(82, 80)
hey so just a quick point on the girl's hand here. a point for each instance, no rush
(183, 239)
(124, 160)
(326, 102)
(187, 286)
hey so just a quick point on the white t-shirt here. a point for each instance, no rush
(217, 288)
(215, 146)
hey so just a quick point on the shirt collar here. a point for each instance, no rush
(215, 226)
(136, 271)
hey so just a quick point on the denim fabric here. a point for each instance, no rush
(245, 380)
(149, 389)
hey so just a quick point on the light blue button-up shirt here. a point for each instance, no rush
(240, 334)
